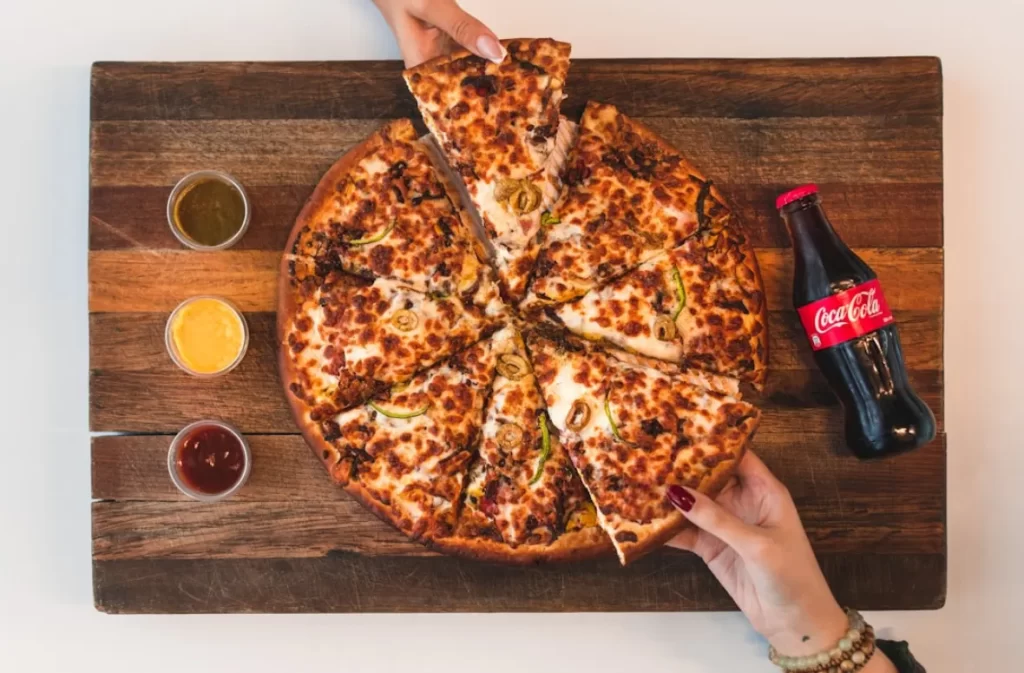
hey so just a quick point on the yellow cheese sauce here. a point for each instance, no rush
(207, 334)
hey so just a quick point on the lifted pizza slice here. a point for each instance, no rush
(499, 126)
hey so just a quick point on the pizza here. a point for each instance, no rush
(406, 453)
(628, 196)
(699, 305)
(352, 327)
(509, 341)
(632, 431)
(384, 210)
(523, 497)
(499, 126)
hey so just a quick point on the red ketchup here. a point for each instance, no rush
(851, 331)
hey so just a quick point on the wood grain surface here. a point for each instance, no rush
(869, 131)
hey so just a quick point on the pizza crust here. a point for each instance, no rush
(559, 49)
(580, 545)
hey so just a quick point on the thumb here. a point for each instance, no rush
(709, 516)
(463, 28)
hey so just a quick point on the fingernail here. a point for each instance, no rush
(681, 498)
(490, 48)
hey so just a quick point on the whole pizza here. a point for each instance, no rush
(508, 341)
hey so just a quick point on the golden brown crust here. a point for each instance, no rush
(574, 546)
(750, 261)
(557, 48)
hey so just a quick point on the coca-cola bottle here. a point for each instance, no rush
(852, 333)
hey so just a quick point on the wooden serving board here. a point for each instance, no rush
(869, 131)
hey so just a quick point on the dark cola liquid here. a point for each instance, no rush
(884, 415)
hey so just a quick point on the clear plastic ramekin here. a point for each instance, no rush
(187, 182)
(172, 350)
(179, 481)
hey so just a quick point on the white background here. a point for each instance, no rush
(46, 47)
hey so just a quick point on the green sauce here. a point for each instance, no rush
(209, 211)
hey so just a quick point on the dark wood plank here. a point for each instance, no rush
(134, 342)
(161, 279)
(134, 467)
(290, 509)
(136, 388)
(188, 530)
(648, 87)
(164, 399)
(252, 400)
(864, 150)
(344, 582)
(880, 215)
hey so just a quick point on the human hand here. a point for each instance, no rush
(752, 540)
(424, 29)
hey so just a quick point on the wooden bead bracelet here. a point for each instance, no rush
(849, 655)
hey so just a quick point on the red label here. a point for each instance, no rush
(846, 315)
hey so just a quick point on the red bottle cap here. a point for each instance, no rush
(796, 194)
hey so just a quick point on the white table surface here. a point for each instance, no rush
(47, 622)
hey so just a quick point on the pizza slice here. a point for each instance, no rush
(523, 500)
(699, 305)
(498, 124)
(345, 339)
(628, 196)
(405, 453)
(384, 210)
(632, 431)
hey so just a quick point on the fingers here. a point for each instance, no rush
(752, 467)
(709, 516)
(686, 540)
(416, 43)
(463, 27)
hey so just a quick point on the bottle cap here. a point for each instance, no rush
(796, 194)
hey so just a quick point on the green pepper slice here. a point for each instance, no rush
(545, 447)
(611, 420)
(376, 238)
(677, 279)
(547, 218)
(398, 414)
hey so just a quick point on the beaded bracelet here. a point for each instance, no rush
(849, 655)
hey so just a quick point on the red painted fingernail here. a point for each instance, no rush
(681, 498)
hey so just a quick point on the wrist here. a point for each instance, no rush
(810, 629)
(879, 663)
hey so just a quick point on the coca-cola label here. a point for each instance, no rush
(844, 316)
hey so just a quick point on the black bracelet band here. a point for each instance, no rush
(899, 652)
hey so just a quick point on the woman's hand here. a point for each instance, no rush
(424, 29)
(752, 540)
